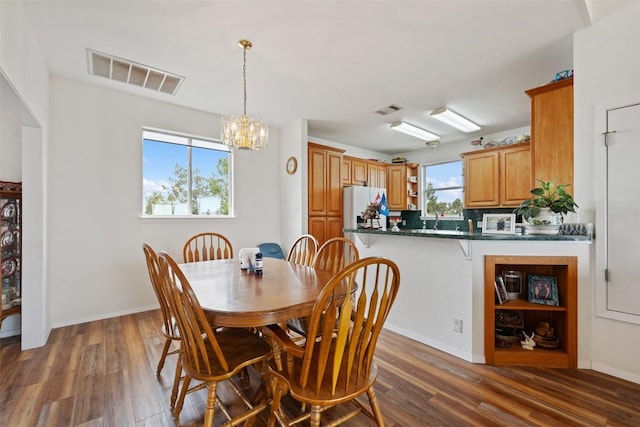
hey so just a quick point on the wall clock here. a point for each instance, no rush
(292, 165)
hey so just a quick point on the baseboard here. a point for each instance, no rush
(104, 316)
(628, 376)
(432, 343)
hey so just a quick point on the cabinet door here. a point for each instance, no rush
(552, 133)
(372, 175)
(515, 175)
(317, 227)
(333, 228)
(333, 187)
(358, 172)
(317, 181)
(382, 176)
(481, 180)
(397, 187)
(346, 171)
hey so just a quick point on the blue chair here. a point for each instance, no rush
(271, 250)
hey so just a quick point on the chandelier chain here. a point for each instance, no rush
(244, 80)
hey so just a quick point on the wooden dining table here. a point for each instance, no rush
(233, 297)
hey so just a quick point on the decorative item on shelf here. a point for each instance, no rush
(399, 160)
(561, 75)
(543, 290)
(477, 142)
(544, 212)
(501, 292)
(529, 342)
(544, 336)
(509, 324)
(514, 283)
(244, 133)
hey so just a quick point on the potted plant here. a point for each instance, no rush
(548, 205)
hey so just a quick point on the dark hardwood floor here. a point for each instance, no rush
(102, 373)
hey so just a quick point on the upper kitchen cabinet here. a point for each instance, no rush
(552, 133)
(497, 177)
(325, 191)
(377, 174)
(402, 186)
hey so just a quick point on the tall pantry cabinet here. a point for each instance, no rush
(552, 133)
(325, 192)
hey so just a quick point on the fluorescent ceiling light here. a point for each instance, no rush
(454, 119)
(413, 130)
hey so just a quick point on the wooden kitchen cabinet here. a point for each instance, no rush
(325, 192)
(552, 133)
(377, 174)
(359, 171)
(402, 186)
(497, 177)
(563, 317)
(346, 171)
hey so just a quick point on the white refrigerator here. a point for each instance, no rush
(356, 201)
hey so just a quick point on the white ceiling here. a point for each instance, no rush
(333, 63)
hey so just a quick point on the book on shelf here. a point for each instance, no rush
(501, 290)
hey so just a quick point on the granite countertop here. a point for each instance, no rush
(465, 235)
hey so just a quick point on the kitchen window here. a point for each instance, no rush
(442, 190)
(185, 176)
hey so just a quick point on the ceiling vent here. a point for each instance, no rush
(125, 71)
(388, 110)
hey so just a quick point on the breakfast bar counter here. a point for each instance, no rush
(443, 281)
(465, 235)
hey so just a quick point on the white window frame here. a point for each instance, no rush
(423, 190)
(171, 137)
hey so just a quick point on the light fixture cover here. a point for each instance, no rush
(414, 131)
(454, 119)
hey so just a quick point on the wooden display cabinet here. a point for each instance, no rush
(10, 248)
(402, 191)
(562, 317)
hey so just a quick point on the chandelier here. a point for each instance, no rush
(244, 133)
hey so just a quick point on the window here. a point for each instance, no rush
(185, 176)
(442, 188)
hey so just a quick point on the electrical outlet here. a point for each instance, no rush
(457, 325)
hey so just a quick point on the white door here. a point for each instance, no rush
(623, 210)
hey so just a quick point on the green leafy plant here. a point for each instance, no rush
(548, 195)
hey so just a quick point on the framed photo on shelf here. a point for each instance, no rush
(501, 291)
(499, 224)
(543, 290)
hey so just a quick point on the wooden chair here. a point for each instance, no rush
(334, 255)
(208, 357)
(169, 324)
(338, 366)
(207, 246)
(303, 250)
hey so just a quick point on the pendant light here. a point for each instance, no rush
(244, 133)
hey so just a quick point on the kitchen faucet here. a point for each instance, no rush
(435, 224)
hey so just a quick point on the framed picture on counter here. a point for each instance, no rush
(499, 224)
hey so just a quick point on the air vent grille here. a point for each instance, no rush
(388, 110)
(125, 71)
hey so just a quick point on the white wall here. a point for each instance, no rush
(97, 267)
(606, 76)
(293, 188)
(24, 119)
